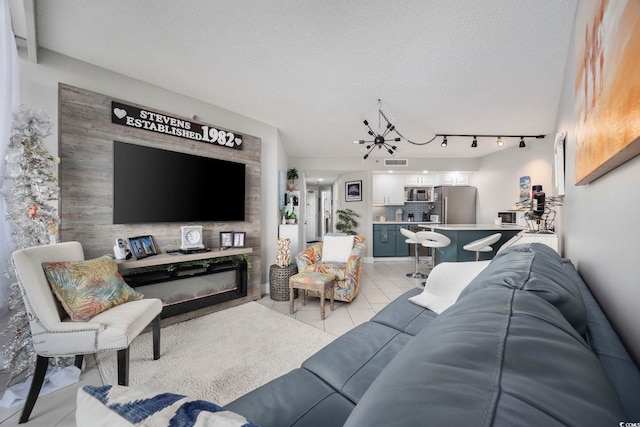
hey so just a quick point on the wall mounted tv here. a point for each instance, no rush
(155, 185)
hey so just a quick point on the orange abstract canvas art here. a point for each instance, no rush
(607, 87)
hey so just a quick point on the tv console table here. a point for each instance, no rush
(188, 282)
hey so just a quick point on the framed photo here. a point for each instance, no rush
(148, 245)
(226, 239)
(293, 196)
(353, 191)
(136, 247)
(238, 239)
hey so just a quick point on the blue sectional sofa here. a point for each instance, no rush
(524, 344)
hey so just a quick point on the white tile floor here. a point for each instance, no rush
(380, 283)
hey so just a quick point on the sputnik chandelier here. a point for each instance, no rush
(380, 137)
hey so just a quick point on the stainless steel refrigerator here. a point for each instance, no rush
(455, 204)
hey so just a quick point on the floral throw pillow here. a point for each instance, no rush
(87, 288)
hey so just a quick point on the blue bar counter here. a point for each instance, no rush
(462, 234)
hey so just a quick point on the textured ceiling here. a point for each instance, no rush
(315, 69)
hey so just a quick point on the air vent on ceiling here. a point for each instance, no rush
(396, 162)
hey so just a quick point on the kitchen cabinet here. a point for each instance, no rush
(384, 240)
(453, 179)
(419, 180)
(388, 189)
(388, 241)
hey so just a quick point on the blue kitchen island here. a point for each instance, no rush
(462, 234)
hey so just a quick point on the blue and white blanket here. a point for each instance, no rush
(112, 405)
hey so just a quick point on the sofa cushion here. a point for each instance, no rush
(621, 370)
(298, 398)
(404, 316)
(336, 269)
(352, 361)
(499, 357)
(87, 288)
(537, 269)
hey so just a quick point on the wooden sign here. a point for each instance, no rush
(128, 115)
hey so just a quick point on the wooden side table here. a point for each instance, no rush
(312, 281)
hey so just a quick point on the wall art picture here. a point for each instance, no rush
(525, 188)
(607, 87)
(353, 191)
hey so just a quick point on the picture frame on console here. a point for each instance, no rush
(238, 239)
(148, 245)
(226, 239)
(136, 247)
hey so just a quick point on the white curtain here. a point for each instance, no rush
(9, 97)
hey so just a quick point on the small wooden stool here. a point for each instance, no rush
(312, 281)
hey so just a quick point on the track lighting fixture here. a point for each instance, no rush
(380, 137)
(499, 138)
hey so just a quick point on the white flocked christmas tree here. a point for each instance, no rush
(31, 191)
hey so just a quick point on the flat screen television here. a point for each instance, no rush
(155, 185)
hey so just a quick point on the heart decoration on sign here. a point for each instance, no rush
(119, 112)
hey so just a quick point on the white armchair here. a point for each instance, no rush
(55, 334)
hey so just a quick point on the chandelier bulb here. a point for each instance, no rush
(499, 142)
(444, 141)
(522, 144)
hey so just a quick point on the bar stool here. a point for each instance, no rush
(434, 241)
(482, 245)
(415, 239)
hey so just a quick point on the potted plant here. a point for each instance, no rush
(292, 175)
(346, 221)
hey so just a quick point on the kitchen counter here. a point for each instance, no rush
(462, 234)
(418, 223)
(492, 227)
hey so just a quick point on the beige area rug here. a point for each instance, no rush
(220, 356)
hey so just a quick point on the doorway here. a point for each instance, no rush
(326, 211)
(311, 216)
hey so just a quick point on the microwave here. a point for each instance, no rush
(508, 217)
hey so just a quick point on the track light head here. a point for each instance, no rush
(474, 143)
(522, 144)
(444, 141)
(500, 142)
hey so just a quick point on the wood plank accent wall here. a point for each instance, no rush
(86, 137)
